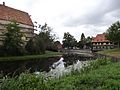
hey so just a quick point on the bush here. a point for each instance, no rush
(96, 64)
(13, 43)
(35, 46)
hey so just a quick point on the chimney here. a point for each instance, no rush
(4, 3)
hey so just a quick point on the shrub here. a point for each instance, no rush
(35, 46)
(13, 43)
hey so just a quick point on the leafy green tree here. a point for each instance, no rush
(88, 42)
(83, 38)
(13, 43)
(69, 41)
(35, 46)
(80, 45)
(41, 42)
(113, 33)
(82, 41)
(46, 36)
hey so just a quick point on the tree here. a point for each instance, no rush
(80, 45)
(83, 38)
(35, 46)
(82, 41)
(46, 36)
(58, 45)
(68, 40)
(13, 44)
(41, 42)
(113, 33)
(88, 42)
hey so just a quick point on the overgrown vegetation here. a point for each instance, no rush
(13, 43)
(99, 75)
(111, 52)
(41, 42)
(70, 42)
(113, 33)
(35, 46)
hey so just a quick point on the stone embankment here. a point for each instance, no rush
(71, 56)
(103, 56)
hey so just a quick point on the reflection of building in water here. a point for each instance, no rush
(100, 43)
(8, 14)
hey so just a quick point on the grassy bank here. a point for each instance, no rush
(31, 57)
(111, 52)
(100, 75)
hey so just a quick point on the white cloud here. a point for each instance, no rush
(75, 16)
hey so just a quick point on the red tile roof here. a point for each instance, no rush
(100, 38)
(8, 14)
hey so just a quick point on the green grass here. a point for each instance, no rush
(111, 52)
(31, 57)
(100, 75)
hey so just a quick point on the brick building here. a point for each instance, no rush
(7, 14)
(100, 43)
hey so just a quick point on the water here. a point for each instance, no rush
(58, 68)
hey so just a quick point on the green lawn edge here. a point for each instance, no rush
(48, 54)
(111, 52)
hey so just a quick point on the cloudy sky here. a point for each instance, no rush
(74, 16)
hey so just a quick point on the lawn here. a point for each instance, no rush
(111, 52)
(48, 54)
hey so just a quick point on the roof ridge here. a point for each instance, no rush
(13, 8)
(8, 13)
